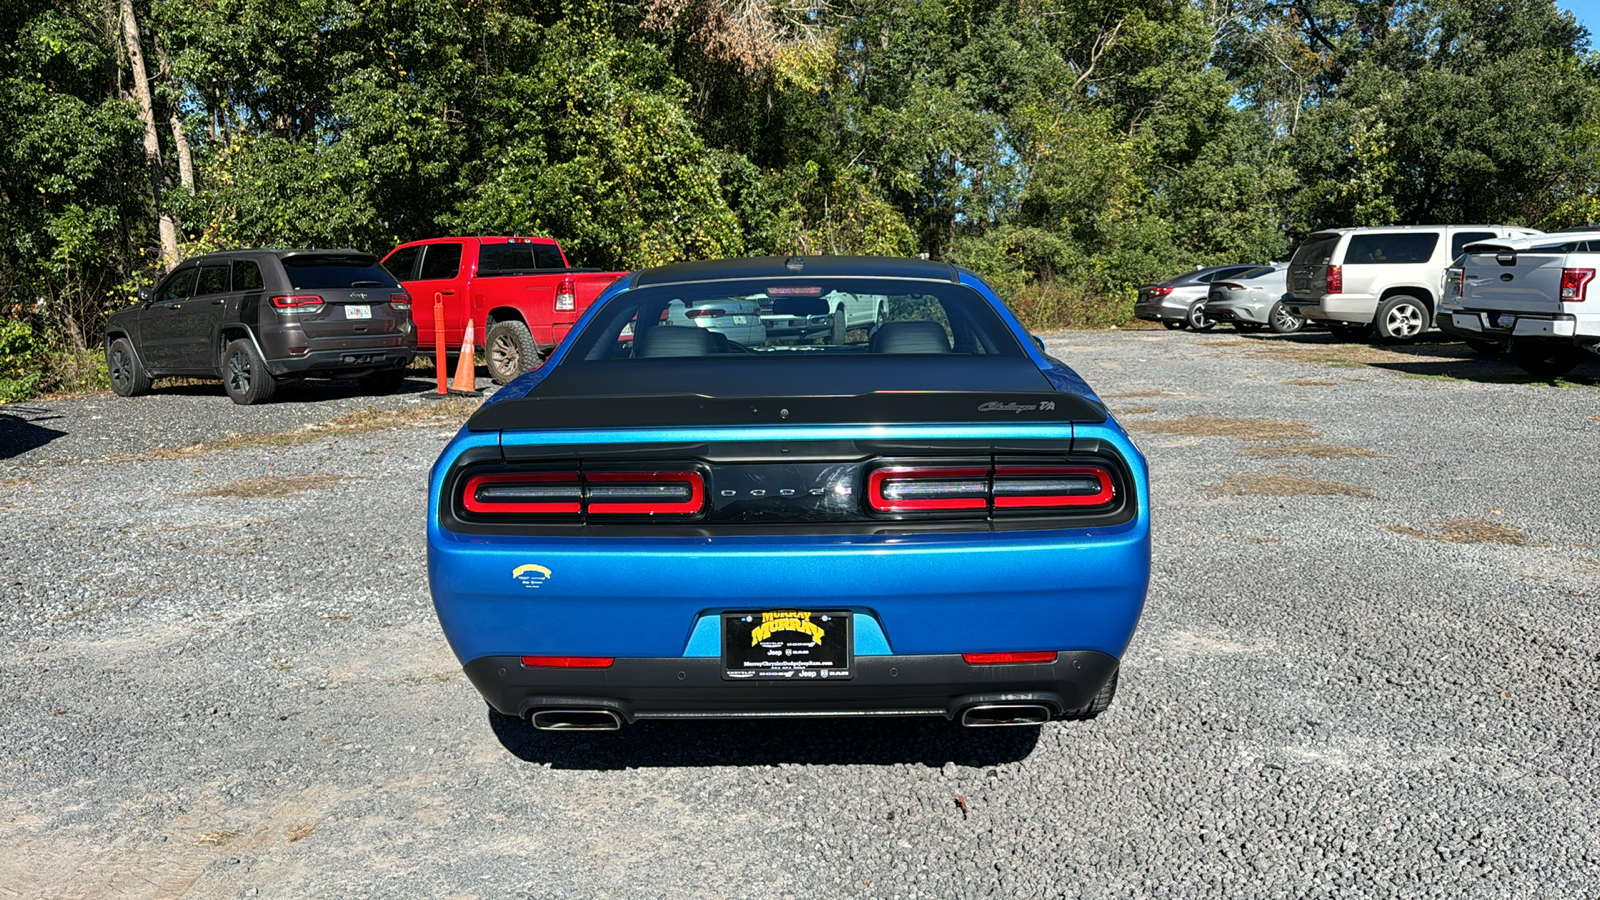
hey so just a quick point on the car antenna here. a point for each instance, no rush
(794, 264)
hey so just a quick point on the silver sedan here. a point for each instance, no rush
(1180, 302)
(1253, 300)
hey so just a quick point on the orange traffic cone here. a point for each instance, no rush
(466, 380)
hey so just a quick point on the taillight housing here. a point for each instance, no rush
(1160, 291)
(1228, 285)
(1011, 658)
(710, 313)
(1335, 280)
(573, 493)
(566, 296)
(296, 304)
(1575, 285)
(400, 301)
(1006, 488)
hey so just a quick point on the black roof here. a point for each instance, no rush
(797, 266)
(258, 252)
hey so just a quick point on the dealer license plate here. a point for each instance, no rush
(741, 320)
(357, 311)
(787, 645)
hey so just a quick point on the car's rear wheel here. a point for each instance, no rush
(1401, 319)
(1198, 319)
(1100, 702)
(1281, 321)
(1175, 324)
(245, 376)
(1545, 361)
(509, 350)
(128, 377)
(385, 382)
(1345, 331)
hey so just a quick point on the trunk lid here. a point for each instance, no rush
(1502, 279)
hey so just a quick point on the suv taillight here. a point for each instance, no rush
(1005, 489)
(1575, 284)
(293, 304)
(566, 296)
(400, 301)
(571, 493)
(1335, 280)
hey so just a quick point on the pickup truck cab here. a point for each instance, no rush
(520, 293)
(1360, 281)
(1530, 294)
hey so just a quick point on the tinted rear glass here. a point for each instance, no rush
(782, 317)
(332, 272)
(1389, 249)
(1462, 238)
(1316, 251)
(510, 259)
(247, 275)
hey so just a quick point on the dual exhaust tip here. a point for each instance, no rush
(983, 715)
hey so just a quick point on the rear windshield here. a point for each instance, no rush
(325, 272)
(1388, 249)
(1316, 251)
(513, 259)
(1256, 272)
(783, 317)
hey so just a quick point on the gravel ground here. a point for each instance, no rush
(222, 676)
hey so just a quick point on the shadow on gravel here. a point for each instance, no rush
(20, 430)
(1434, 356)
(313, 390)
(873, 742)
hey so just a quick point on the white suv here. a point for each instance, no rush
(1358, 281)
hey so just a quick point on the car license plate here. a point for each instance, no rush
(357, 311)
(1505, 321)
(787, 645)
(741, 320)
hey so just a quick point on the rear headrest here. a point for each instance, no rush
(799, 306)
(673, 340)
(910, 337)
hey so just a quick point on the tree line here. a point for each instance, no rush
(1066, 149)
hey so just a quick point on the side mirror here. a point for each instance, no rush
(1038, 341)
(144, 295)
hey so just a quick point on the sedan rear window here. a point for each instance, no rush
(331, 272)
(783, 317)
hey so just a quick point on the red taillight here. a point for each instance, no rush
(1043, 487)
(566, 296)
(1335, 279)
(568, 662)
(1575, 284)
(1160, 291)
(647, 493)
(926, 488)
(697, 313)
(400, 301)
(643, 493)
(998, 659)
(296, 303)
(544, 493)
(1228, 285)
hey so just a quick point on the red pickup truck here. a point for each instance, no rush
(519, 292)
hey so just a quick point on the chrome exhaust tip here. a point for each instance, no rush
(576, 720)
(997, 715)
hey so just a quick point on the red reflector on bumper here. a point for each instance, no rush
(571, 662)
(1026, 656)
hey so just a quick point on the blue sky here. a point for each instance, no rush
(1588, 13)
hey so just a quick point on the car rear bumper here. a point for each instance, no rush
(1580, 330)
(351, 362)
(1234, 311)
(1353, 309)
(672, 687)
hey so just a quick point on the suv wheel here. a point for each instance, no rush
(245, 376)
(1281, 321)
(1401, 319)
(1197, 317)
(509, 350)
(1344, 331)
(128, 377)
(1545, 360)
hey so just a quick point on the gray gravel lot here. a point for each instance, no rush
(221, 675)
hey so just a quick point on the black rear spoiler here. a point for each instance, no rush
(876, 408)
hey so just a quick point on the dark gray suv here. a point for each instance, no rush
(255, 317)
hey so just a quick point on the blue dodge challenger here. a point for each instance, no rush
(905, 508)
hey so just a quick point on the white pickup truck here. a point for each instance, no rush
(1534, 294)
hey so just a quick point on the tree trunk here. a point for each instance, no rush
(152, 143)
